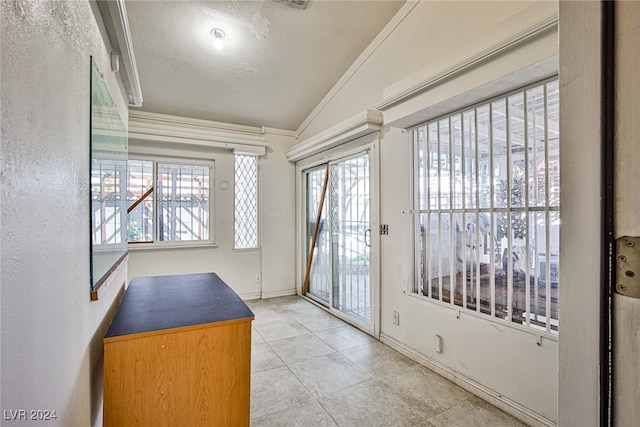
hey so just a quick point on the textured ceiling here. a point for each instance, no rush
(278, 62)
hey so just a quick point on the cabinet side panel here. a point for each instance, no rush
(194, 377)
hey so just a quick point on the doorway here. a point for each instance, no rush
(338, 237)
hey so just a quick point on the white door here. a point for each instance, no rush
(626, 318)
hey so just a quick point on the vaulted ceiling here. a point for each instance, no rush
(277, 63)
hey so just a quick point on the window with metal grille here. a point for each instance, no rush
(487, 208)
(246, 202)
(168, 202)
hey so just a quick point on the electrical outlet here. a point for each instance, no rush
(396, 318)
(258, 278)
(437, 343)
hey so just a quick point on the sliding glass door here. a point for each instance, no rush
(319, 275)
(339, 236)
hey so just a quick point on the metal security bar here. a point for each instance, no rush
(140, 218)
(183, 202)
(486, 205)
(108, 185)
(246, 202)
(168, 202)
(339, 235)
(351, 237)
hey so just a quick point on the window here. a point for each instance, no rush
(246, 202)
(486, 204)
(168, 202)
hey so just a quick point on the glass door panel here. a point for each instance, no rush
(351, 237)
(320, 266)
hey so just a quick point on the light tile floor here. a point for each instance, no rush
(310, 368)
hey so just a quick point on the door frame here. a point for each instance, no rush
(365, 143)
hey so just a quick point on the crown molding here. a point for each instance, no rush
(114, 17)
(421, 84)
(174, 130)
(359, 125)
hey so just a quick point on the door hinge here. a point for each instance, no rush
(628, 266)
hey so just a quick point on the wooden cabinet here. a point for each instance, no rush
(178, 353)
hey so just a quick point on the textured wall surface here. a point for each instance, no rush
(51, 331)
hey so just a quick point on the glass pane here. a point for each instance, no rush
(444, 168)
(351, 237)
(489, 241)
(320, 273)
(457, 165)
(488, 260)
(517, 149)
(183, 202)
(107, 187)
(433, 167)
(423, 255)
(500, 164)
(470, 176)
(538, 260)
(519, 266)
(423, 168)
(140, 219)
(246, 202)
(484, 156)
(536, 145)
(554, 269)
(553, 143)
(466, 254)
(439, 246)
(501, 277)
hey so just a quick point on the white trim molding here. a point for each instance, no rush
(276, 294)
(181, 131)
(114, 16)
(355, 127)
(541, 27)
(496, 399)
(511, 54)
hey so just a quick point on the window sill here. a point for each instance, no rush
(246, 249)
(135, 247)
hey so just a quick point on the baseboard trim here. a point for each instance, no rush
(280, 293)
(250, 296)
(507, 405)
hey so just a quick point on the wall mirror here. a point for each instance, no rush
(108, 183)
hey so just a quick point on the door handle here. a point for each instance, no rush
(367, 237)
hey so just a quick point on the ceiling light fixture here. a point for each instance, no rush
(218, 37)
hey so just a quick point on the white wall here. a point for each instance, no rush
(51, 331)
(504, 365)
(273, 262)
(430, 31)
(278, 218)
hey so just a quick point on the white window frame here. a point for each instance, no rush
(156, 244)
(257, 204)
(414, 287)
